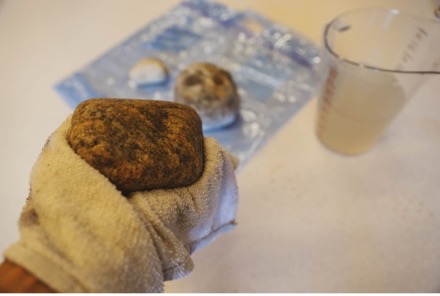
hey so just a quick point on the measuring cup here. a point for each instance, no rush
(373, 62)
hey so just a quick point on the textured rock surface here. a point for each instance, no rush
(138, 144)
(211, 91)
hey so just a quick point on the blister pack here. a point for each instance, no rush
(274, 67)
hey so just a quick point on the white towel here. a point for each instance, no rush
(80, 234)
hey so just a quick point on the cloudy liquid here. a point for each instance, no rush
(352, 114)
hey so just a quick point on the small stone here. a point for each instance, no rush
(148, 71)
(211, 91)
(139, 144)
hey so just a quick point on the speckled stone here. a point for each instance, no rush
(139, 144)
(211, 91)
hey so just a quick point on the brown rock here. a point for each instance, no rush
(138, 144)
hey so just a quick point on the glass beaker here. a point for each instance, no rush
(373, 61)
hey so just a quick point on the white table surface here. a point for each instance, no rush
(309, 219)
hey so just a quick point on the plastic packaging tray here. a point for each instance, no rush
(275, 68)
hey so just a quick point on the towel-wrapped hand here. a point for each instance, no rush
(79, 233)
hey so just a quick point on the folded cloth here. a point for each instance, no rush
(78, 233)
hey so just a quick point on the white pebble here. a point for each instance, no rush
(148, 71)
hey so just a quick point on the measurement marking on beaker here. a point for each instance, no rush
(344, 28)
(420, 33)
(328, 93)
(411, 48)
(406, 57)
(423, 31)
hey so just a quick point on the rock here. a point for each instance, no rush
(139, 144)
(211, 91)
(148, 71)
